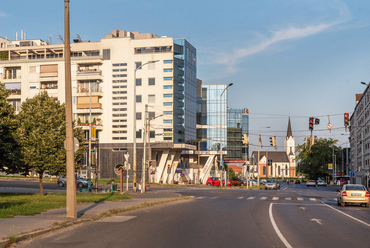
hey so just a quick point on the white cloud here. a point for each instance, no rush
(277, 36)
(3, 14)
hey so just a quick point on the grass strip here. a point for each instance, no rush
(31, 204)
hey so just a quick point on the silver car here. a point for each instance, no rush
(272, 184)
(81, 182)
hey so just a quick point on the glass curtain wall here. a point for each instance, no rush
(211, 117)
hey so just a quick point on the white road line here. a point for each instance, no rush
(214, 197)
(335, 199)
(251, 198)
(300, 199)
(241, 197)
(312, 199)
(200, 197)
(275, 198)
(263, 198)
(277, 229)
(288, 198)
(366, 224)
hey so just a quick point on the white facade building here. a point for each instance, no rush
(104, 73)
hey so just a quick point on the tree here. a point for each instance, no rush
(314, 160)
(41, 133)
(9, 148)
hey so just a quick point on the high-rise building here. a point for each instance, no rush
(104, 74)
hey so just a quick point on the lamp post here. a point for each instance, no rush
(258, 155)
(134, 119)
(221, 161)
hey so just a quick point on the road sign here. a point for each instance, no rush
(329, 126)
(126, 156)
(76, 144)
(93, 133)
(351, 173)
(330, 166)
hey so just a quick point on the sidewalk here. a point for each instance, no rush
(23, 227)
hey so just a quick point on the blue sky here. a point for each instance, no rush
(303, 58)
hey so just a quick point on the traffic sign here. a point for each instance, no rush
(330, 166)
(329, 126)
(351, 173)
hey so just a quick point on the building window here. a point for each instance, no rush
(167, 61)
(167, 104)
(138, 65)
(167, 87)
(167, 121)
(167, 130)
(138, 98)
(167, 95)
(167, 70)
(151, 98)
(167, 138)
(151, 81)
(151, 115)
(167, 78)
(138, 134)
(138, 116)
(167, 112)
(138, 82)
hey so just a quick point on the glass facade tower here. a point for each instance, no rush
(210, 117)
(185, 85)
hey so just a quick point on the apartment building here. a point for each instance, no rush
(104, 74)
(360, 139)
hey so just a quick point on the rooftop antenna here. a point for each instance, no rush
(16, 35)
(25, 35)
(21, 34)
(59, 37)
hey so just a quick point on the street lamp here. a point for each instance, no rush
(258, 156)
(134, 119)
(364, 83)
(221, 161)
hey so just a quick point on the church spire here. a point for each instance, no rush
(289, 132)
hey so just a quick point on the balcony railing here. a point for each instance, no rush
(89, 72)
(12, 76)
(15, 92)
(87, 105)
(83, 89)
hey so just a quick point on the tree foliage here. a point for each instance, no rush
(314, 160)
(41, 133)
(9, 148)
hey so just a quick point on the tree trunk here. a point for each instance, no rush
(40, 183)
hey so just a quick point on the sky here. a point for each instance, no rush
(285, 58)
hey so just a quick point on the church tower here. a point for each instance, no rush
(289, 145)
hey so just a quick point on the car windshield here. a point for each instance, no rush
(355, 187)
(271, 181)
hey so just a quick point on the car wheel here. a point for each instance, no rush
(208, 184)
(60, 184)
(367, 205)
(338, 202)
(80, 185)
(342, 204)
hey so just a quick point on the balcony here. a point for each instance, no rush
(85, 124)
(94, 106)
(48, 74)
(15, 92)
(84, 90)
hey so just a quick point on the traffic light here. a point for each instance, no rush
(245, 138)
(317, 121)
(346, 119)
(310, 126)
(273, 141)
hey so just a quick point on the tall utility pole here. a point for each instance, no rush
(71, 207)
(258, 160)
(144, 152)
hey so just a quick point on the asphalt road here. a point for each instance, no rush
(294, 216)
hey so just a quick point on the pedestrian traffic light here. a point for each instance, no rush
(346, 119)
(310, 126)
(271, 141)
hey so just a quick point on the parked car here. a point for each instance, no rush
(262, 181)
(214, 181)
(272, 184)
(237, 182)
(253, 181)
(353, 194)
(321, 183)
(81, 182)
(310, 183)
(297, 182)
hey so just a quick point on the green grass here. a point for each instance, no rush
(30, 204)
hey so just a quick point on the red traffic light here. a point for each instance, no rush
(169, 166)
(346, 119)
